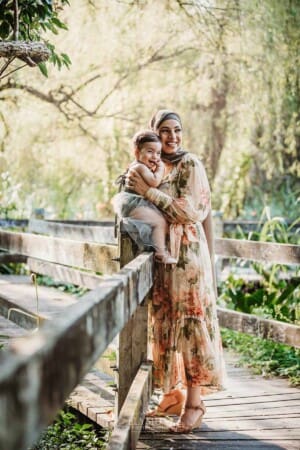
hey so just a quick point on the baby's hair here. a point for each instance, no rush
(141, 137)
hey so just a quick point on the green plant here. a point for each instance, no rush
(27, 20)
(9, 196)
(270, 297)
(275, 294)
(67, 432)
(64, 287)
(282, 199)
(13, 269)
(263, 356)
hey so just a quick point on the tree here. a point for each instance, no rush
(23, 24)
(229, 67)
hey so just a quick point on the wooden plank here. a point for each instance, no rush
(12, 258)
(253, 412)
(93, 406)
(103, 233)
(11, 223)
(65, 274)
(243, 435)
(9, 330)
(264, 328)
(228, 444)
(127, 429)
(96, 257)
(258, 251)
(268, 399)
(39, 371)
(18, 300)
(133, 338)
(86, 223)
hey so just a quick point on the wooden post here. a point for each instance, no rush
(133, 339)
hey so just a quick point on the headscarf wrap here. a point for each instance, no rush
(157, 119)
(160, 116)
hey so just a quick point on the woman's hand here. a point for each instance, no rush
(135, 182)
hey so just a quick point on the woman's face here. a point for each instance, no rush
(170, 133)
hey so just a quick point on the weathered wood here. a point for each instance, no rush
(128, 427)
(38, 372)
(9, 330)
(252, 413)
(103, 233)
(18, 300)
(6, 258)
(133, 339)
(86, 223)
(264, 328)
(96, 257)
(11, 223)
(92, 405)
(65, 274)
(258, 251)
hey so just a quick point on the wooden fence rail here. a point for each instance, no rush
(39, 371)
(258, 251)
(85, 255)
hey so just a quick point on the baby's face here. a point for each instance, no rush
(149, 154)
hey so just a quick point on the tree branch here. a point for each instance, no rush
(64, 97)
(16, 21)
(5, 65)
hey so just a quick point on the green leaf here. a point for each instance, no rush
(4, 30)
(58, 23)
(43, 68)
(66, 59)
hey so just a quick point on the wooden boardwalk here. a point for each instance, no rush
(253, 413)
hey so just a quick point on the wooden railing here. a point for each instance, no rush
(38, 372)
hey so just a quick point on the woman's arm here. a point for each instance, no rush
(192, 205)
(193, 201)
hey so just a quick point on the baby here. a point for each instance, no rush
(147, 150)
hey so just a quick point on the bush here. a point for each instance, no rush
(67, 433)
(264, 357)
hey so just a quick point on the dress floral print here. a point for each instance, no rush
(185, 331)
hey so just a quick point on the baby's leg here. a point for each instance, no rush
(158, 223)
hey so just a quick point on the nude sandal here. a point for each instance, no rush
(182, 428)
(172, 403)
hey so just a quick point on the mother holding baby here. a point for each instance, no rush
(186, 344)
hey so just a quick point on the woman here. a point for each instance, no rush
(186, 339)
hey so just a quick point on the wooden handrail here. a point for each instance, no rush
(39, 371)
(258, 251)
(86, 255)
(285, 333)
(100, 233)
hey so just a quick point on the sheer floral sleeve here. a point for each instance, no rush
(193, 201)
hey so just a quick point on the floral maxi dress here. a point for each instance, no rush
(186, 344)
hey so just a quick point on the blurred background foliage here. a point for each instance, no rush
(229, 67)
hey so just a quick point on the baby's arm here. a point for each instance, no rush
(152, 178)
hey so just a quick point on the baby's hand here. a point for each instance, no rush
(158, 165)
